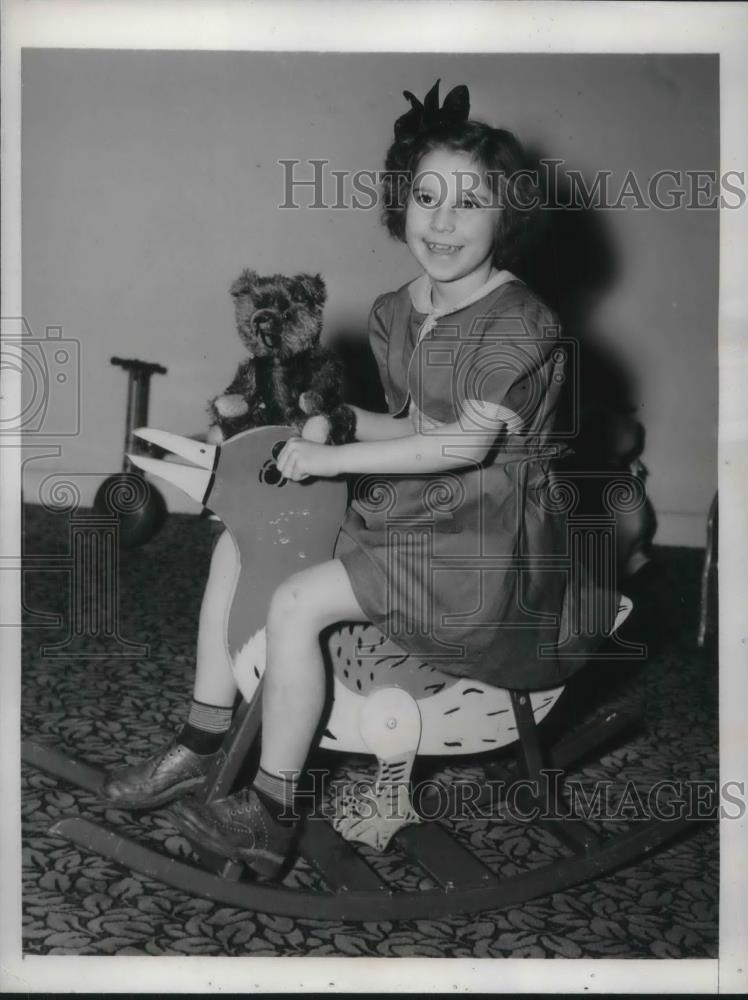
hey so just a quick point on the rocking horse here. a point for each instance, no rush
(384, 703)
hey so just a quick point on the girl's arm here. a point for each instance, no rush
(372, 426)
(452, 446)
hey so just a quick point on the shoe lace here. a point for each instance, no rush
(241, 800)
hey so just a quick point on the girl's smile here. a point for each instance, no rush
(451, 224)
(443, 248)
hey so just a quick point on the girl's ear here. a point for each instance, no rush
(246, 281)
(311, 287)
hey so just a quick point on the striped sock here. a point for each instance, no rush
(205, 727)
(277, 793)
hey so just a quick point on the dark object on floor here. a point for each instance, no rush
(605, 467)
(139, 507)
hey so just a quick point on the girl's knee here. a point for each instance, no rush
(290, 602)
(313, 598)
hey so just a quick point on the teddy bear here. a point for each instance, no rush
(288, 377)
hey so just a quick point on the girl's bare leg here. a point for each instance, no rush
(294, 685)
(214, 679)
(249, 826)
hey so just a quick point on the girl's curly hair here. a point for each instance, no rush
(496, 150)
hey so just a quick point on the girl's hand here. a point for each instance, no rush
(302, 459)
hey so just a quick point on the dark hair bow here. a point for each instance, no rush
(428, 116)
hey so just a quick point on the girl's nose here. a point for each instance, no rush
(443, 218)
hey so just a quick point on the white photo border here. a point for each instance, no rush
(429, 25)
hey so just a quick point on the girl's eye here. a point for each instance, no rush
(467, 203)
(424, 198)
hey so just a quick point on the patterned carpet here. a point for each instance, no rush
(111, 710)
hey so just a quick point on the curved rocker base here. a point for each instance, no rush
(360, 895)
(356, 891)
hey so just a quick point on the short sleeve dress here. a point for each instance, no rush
(476, 569)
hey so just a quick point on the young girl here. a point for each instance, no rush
(471, 365)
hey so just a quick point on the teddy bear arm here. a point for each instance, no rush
(244, 382)
(325, 378)
(229, 411)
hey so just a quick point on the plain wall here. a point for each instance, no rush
(151, 179)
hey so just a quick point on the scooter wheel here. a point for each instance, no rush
(138, 505)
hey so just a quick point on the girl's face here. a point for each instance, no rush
(451, 223)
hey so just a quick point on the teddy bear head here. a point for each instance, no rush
(278, 316)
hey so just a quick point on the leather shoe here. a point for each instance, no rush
(238, 827)
(173, 771)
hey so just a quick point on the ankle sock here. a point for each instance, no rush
(277, 793)
(205, 728)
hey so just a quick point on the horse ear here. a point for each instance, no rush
(246, 281)
(311, 287)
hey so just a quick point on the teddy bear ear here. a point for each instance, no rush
(311, 287)
(244, 283)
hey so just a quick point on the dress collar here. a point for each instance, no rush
(420, 294)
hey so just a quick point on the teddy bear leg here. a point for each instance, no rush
(215, 435)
